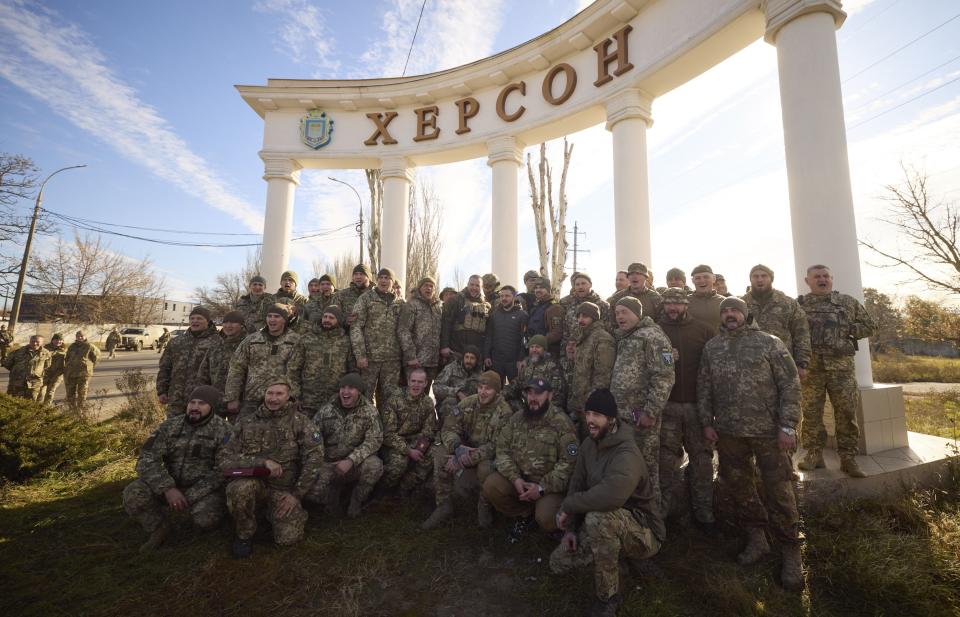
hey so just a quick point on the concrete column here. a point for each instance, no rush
(397, 176)
(282, 176)
(628, 118)
(505, 157)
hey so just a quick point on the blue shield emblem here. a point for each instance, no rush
(316, 129)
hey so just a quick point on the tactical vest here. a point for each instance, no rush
(830, 325)
(473, 316)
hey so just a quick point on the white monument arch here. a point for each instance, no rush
(608, 64)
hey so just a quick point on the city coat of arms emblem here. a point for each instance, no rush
(316, 129)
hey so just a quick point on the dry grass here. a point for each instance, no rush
(937, 413)
(899, 368)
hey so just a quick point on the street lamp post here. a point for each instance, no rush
(18, 294)
(360, 202)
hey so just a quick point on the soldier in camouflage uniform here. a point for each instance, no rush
(464, 320)
(582, 292)
(288, 295)
(421, 319)
(720, 285)
(465, 454)
(27, 366)
(6, 340)
(704, 302)
(81, 359)
(254, 305)
(837, 322)
(261, 357)
(323, 357)
(286, 443)
(360, 285)
(748, 396)
(643, 377)
(373, 334)
(179, 370)
(457, 381)
(113, 340)
(538, 365)
(594, 353)
(536, 451)
(610, 511)
(491, 287)
(409, 426)
(639, 277)
(352, 434)
(164, 340)
(216, 363)
(778, 314)
(177, 470)
(54, 374)
(319, 301)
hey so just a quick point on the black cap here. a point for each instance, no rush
(601, 401)
(538, 383)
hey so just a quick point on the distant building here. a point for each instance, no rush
(97, 309)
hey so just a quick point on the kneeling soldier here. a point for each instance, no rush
(409, 425)
(610, 509)
(177, 470)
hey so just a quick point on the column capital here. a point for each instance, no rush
(281, 168)
(398, 167)
(629, 104)
(781, 12)
(505, 148)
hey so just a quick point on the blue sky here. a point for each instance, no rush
(143, 94)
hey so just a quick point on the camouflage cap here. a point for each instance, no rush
(489, 279)
(530, 274)
(719, 278)
(278, 380)
(387, 272)
(234, 317)
(539, 340)
(702, 268)
(328, 278)
(762, 268)
(632, 304)
(203, 312)
(351, 380)
(207, 394)
(491, 379)
(363, 269)
(601, 401)
(539, 383)
(589, 309)
(580, 275)
(425, 280)
(312, 281)
(542, 282)
(735, 303)
(638, 268)
(256, 278)
(674, 295)
(279, 309)
(336, 311)
(290, 274)
(675, 273)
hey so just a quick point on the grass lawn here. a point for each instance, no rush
(899, 368)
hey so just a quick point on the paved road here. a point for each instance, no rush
(103, 391)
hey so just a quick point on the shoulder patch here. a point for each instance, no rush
(226, 438)
(456, 410)
(667, 355)
(572, 449)
(316, 436)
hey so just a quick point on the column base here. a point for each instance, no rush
(881, 418)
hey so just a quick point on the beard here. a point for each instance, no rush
(535, 412)
(326, 327)
(601, 433)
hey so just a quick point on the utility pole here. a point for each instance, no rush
(576, 243)
(360, 202)
(18, 295)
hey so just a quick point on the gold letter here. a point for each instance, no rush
(502, 101)
(563, 67)
(619, 54)
(426, 119)
(381, 121)
(469, 107)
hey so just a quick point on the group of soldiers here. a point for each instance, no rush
(571, 415)
(36, 370)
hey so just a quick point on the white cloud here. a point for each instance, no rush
(59, 65)
(303, 33)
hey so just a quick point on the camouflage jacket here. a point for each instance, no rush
(216, 363)
(781, 316)
(419, 330)
(571, 331)
(27, 366)
(296, 301)
(314, 308)
(474, 425)
(113, 339)
(545, 368)
(542, 449)
(706, 308)
(322, 358)
(453, 379)
(259, 358)
(649, 299)
(255, 310)
(643, 374)
(596, 352)
(179, 370)
(354, 434)
(406, 419)
(81, 358)
(348, 297)
(184, 456)
(748, 385)
(58, 359)
(374, 330)
(464, 321)
(837, 321)
(284, 436)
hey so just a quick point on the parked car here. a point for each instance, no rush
(139, 337)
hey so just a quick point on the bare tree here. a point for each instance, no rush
(424, 233)
(375, 182)
(552, 247)
(931, 228)
(341, 268)
(228, 287)
(458, 277)
(18, 179)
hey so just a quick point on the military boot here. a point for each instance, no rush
(357, 497)
(157, 537)
(848, 465)
(791, 572)
(605, 608)
(756, 547)
(484, 513)
(813, 459)
(443, 513)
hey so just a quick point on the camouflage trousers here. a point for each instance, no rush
(50, 386)
(380, 380)
(23, 390)
(648, 440)
(465, 483)
(399, 467)
(680, 430)
(835, 376)
(245, 496)
(151, 510)
(365, 475)
(778, 510)
(76, 395)
(603, 540)
(502, 495)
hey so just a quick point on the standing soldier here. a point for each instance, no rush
(680, 428)
(326, 295)
(621, 282)
(254, 305)
(639, 279)
(446, 293)
(54, 374)
(538, 365)
(778, 314)
(260, 358)
(288, 294)
(358, 286)
(177, 470)
(163, 341)
(179, 370)
(643, 377)
(352, 434)
(704, 302)
(610, 511)
(457, 381)
(837, 322)
(582, 292)
(27, 366)
(287, 445)
(419, 329)
(216, 363)
(322, 359)
(409, 426)
(82, 357)
(546, 316)
(464, 320)
(750, 409)
(491, 287)
(6, 339)
(504, 337)
(373, 335)
(720, 285)
(536, 449)
(465, 454)
(113, 341)
(527, 298)
(594, 353)
(676, 279)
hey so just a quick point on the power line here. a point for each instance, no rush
(892, 90)
(415, 31)
(907, 102)
(851, 33)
